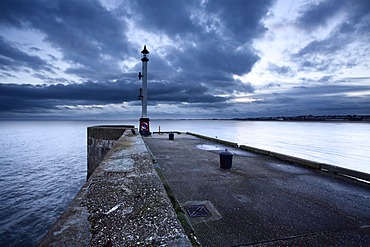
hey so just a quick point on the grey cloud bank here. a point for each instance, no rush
(80, 59)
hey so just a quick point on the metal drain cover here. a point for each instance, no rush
(197, 211)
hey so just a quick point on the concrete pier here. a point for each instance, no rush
(153, 191)
(122, 204)
(261, 201)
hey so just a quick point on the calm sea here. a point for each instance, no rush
(43, 163)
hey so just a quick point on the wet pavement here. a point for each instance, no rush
(261, 201)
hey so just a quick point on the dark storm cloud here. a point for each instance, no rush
(196, 49)
(320, 100)
(163, 16)
(212, 43)
(11, 58)
(323, 54)
(242, 19)
(28, 97)
(211, 48)
(192, 18)
(85, 32)
(94, 39)
(38, 98)
(325, 47)
(214, 39)
(317, 15)
(328, 90)
(171, 92)
(6, 74)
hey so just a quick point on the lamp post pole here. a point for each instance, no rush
(143, 75)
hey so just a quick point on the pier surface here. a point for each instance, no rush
(261, 201)
(123, 203)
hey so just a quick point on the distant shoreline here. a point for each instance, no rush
(310, 118)
(304, 118)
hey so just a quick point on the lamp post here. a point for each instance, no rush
(143, 75)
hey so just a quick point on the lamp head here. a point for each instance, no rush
(144, 54)
(145, 51)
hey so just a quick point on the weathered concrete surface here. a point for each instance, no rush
(122, 204)
(100, 139)
(261, 201)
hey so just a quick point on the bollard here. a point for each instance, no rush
(171, 136)
(226, 159)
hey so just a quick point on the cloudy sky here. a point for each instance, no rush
(208, 58)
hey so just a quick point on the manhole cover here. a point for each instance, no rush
(197, 211)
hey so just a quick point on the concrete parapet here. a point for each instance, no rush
(345, 172)
(283, 157)
(122, 204)
(335, 170)
(100, 140)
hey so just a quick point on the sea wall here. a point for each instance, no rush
(100, 139)
(123, 203)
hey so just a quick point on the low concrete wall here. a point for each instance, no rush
(100, 140)
(335, 170)
(284, 157)
(122, 204)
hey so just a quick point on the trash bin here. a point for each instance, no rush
(171, 136)
(226, 159)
